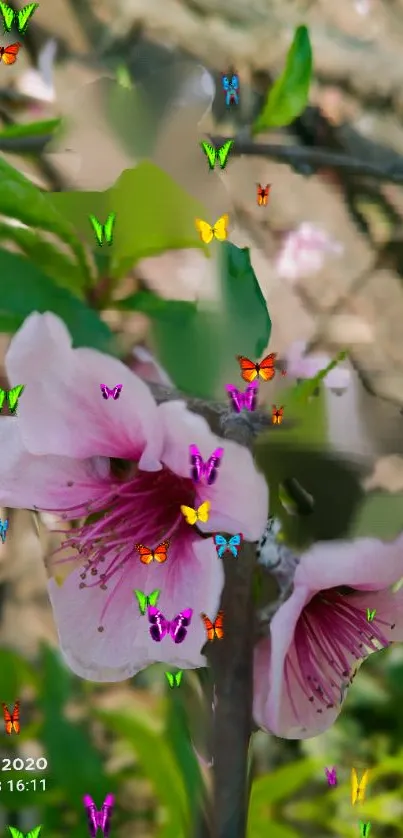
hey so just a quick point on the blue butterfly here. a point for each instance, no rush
(232, 545)
(231, 86)
(3, 529)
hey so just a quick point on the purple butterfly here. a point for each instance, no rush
(107, 393)
(99, 820)
(208, 470)
(331, 776)
(243, 400)
(160, 626)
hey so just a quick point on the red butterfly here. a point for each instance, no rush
(160, 554)
(265, 369)
(8, 55)
(214, 629)
(277, 414)
(11, 720)
(262, 194)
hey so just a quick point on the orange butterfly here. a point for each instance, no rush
(214, 629)
(11, 720)
(277, 414)
(160, 554)
(8, 55)
(265, 369)
(262, 194)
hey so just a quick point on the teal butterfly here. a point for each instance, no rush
(365, 829)
(103, 231)
(17, 834)
(12, 396)
(22, 17)
(213, 154)
(144, 601)
(174, 679)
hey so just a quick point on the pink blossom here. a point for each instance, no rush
(321, 635)
(126, 463)
(302, 366)
(303, 252)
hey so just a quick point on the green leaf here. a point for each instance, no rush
(200, 357)
(288, 96)
(380, 515)
(31, 129)
(15, 673)
(178, 737)
(34, 291)
(272, 788)
(20, 199)
(46, 256)
(153, 214)
(145, 739)
(156, 307)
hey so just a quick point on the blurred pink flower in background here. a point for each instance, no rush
(303, 252)
(125, 463)
(321, 635)
(302, 366)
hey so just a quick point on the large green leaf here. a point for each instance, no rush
(178, 738)
(200, 356)
(288, 96)
(145, 739)
(272, 788)
(63, 270)
(153, 214)
(20, 199)
(24, 288)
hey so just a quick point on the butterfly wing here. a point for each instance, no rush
(250, 396)
(236, 397)
(34, 832)
(3, 394)
(117, 391)
(24, 15)
(266, 367)
(225, 82)
(4, 528)
(7, 719)
(249, 370)
(104, 816)
(208, 625)
(10, 53)
(354, 786)
(8, 16)
(15, 717)
(97, 228)
(259, 194)
(146, 554)
(221, 544)
(219, 625)
(161, 552)
(108, 228)
(16, 832)
(203, 512)
(170, 678)
(220, 229)
(210, 153)
(158, 624)
(235, 543)
(91, 810)
(362, 786)
(205, 230)
(212, 466)
(154, 597)
(223, 153)
(196, 463)
(13, 397)
(190, 514)
(179, 625)
(178, 678)
(235, 82)
(104, 391)
(142, 600)
(266, 193)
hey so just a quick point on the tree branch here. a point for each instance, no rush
(309, 160)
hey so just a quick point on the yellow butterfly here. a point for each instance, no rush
(358, 788)
(207, 232)
(200, 514)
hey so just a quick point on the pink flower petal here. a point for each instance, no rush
(62, 409)
(192, 580)
(239, 497)
(364, 563)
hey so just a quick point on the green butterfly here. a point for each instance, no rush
(213, 154)
(12, 395)
(103, 230)
(174, 680)
(370, 615)
(144, 601)
(17, 834)
(364, 829)
(22, 17)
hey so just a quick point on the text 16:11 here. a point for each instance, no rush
(21, 785)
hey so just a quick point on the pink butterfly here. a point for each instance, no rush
(243, 400)
(107, 393)
(99, 820)
(201, 469)
(331, 776)
(160, 626)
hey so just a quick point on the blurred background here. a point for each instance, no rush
(328, 254)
